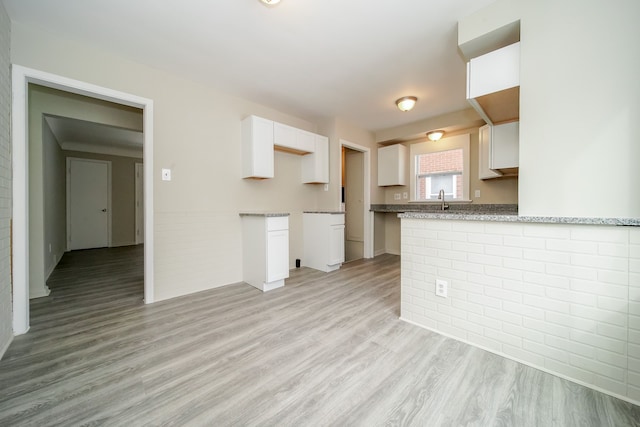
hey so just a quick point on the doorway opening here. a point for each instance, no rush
(355, 176)
(22, 77)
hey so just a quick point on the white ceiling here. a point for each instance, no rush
(310, 58)
(82, 135)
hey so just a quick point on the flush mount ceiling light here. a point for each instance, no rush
(270, 2)
(406, 103)
(435, 135)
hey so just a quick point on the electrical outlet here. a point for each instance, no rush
(396, 196)
(166, 174)
(441, 288)
(405, 195)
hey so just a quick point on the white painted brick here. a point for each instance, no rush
(468, 226)
(468, 306)
(421, 320)
(503, 228)
(572, 246)
(634, 336)
(600, 234)
(534, 313)
(480, 279)
(522, 287)
(413, 308)
(452, 236)
(503, 294)
(571, 296)
(471, 288)
(424, 234)
(593, 287)
(468, 247)
(612, 331)
(611, 358)
(467, 326)
(452, 311)
(599, 341)
(503, 316)
(452, 255)
(574, 272)
(502, 251)
(523, 355)
(613, 249)
(546, 231)
(634, 321)
(546, 303)
(468, 267)
(526, 334)
(487, 301)
(456, 294)
(503, 273)
(570, 346)
(489, 239)
(634, 357)
(524, 242)
(484, 342)
(546, 280)
(598, 367)
(634, 251)
(425, 252)
(451, 274)
(613, 304)
(570, 371)
(546, 328)
(413, 292)
(634, 265)
(572, 322)
(613, 277)
(438, 225)
(439, 317)
(503, 338)
(528, 266)
(438, 244)
(595, 314)
(484, 321)
(546, 256)
(484, 259)
(600, 262)
(544, 350)
(634, 235)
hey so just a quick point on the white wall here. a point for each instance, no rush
(54, 201)
(562, 298)
(579, 108)
(197, 135)
(6, 310)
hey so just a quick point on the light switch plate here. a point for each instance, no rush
(166, 174)
(405, 195)
(477, 193)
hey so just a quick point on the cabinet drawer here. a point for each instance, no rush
(277, 223)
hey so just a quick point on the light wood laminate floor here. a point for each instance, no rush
(327, 349)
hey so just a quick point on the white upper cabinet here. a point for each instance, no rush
(498, 150)
(392, 165)
(493, 84)
(257, 148)
(315, 166)
(288, 138)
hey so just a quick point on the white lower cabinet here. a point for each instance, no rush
(323, 235)
(265, 250)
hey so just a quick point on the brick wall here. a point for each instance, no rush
(563, 298)
(440, 162)
(6, 329)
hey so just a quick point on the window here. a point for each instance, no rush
(441, 165)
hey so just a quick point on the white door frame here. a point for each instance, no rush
(21, 77)
(139, 222)
(367, 214)
(109, 217)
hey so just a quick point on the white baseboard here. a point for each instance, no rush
(131, 243)
(379, 252)
(506, 356)
(392, 252)
(45, 293)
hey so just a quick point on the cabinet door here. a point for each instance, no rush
(336, 245)
(257, 148)
(505, 146)
(277, 255)
(484, 154)
(392, 165)
(315, 166)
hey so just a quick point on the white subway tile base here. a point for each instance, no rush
(563, 298)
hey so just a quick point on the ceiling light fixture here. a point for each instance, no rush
(270, 2)
(406, 103)
(435, 135)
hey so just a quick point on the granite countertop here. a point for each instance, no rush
(513, 217)
(264, 214)
(324, 212)
(462, 208)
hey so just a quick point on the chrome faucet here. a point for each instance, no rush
(443, 205)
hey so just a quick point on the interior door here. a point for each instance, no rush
(354, 204)
(88, 200)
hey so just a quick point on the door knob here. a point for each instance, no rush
(104, 210)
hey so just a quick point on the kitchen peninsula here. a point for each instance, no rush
(558, 294)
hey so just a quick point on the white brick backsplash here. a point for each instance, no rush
(562, 297)
(6, 309)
